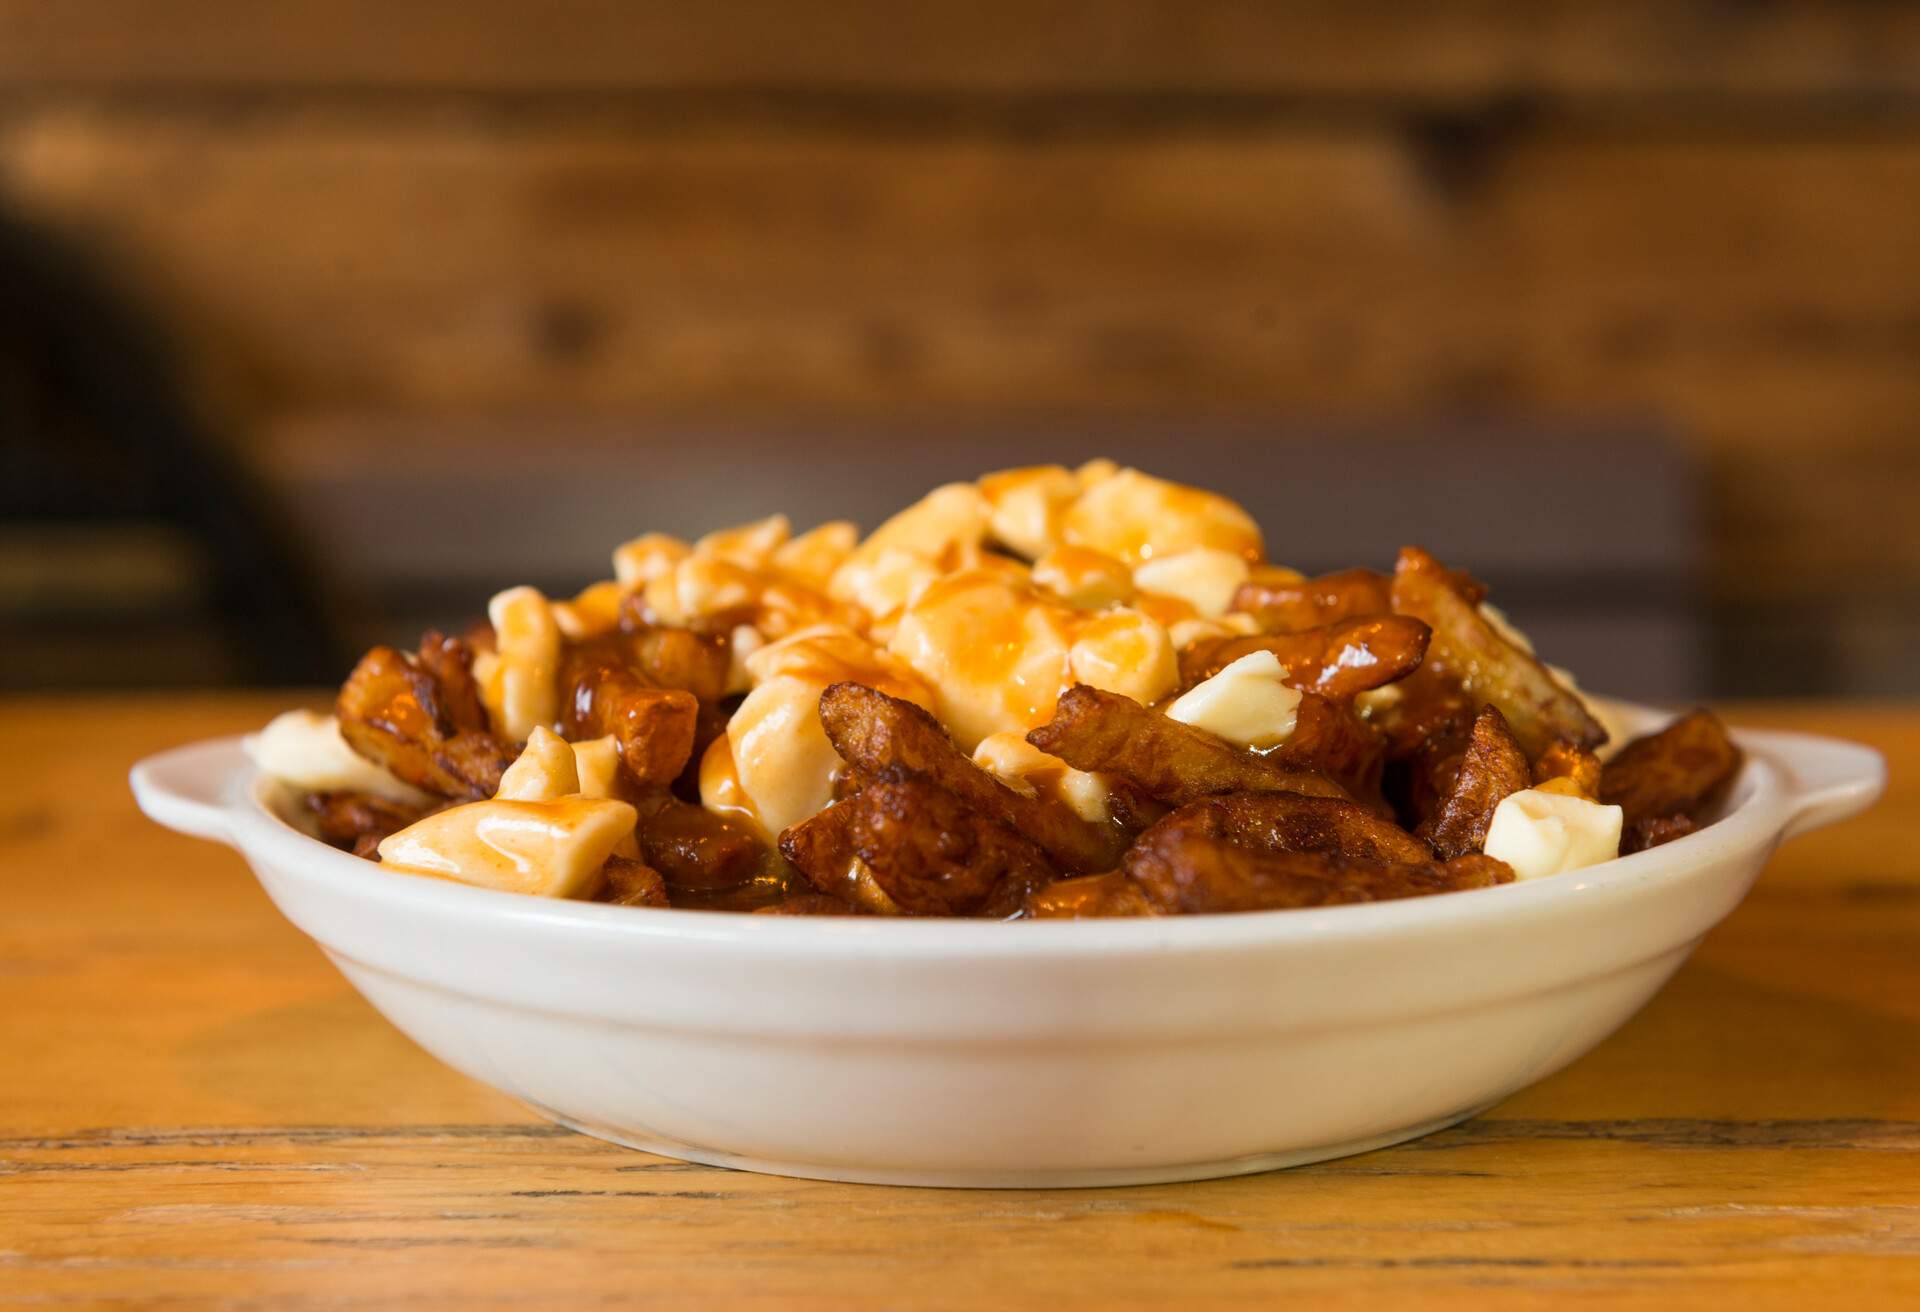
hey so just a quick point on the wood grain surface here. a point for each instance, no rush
(197, 1112)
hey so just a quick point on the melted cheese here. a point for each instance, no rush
(304, 749)
(1245, 703)
(1541, 832)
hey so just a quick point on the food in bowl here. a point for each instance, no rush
(1050, 693)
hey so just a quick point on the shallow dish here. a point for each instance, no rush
(962, 1052)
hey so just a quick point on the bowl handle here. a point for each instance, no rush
(1829, 780)
(189, 789)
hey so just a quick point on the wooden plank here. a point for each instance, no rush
(198, 1112)
(1448, 49)
(1753, 290)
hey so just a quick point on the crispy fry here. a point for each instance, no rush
(654, 727)
(1655, 830)
(1329, 739)
(1289, 822)
(1539, 708)
(1491, 767)
(1334, 660)
(821, 847)
(390, 712)
(1290, 607)
(1087, 897)
(1173, 762)
(673, 658)
(346, 820)
(695, 848)
(1673, 772)
(1579, 767)
(876, 733)
(450, 662)
(631, 883)
(1185, 872)
(936, 856)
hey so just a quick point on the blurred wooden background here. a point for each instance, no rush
(1698, 217)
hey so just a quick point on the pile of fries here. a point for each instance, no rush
(1050, 693)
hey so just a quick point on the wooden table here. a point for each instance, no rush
(196, 1111)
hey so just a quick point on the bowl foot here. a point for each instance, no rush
(1003, 1178)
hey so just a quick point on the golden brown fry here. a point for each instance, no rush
(695, 662)
(1673, 772)
(1289, 822)
(1088, 897)
(821, 847)
(450, 662)
(936, 856)
(1291, 606)
(1577, 766)
(390, 712)
(346, 819)
(1185, 872)
(1491, 767)
(1655, 830)
(1539, 708)
(1329, 739)
(654, 727)
(695, 848)
(631, 883)
(877, 733)
(1334, 660)
(1174, 762)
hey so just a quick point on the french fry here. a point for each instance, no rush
(1104, 732)
(389, 711)
(1577, 766)
(1190, 873)
(1655, 830)
(630, 883)
(1288, 607)
(821, 849)
(1329, 739)
(1087, 897)
(1674, 772)
(349, 820)
(693, 848)
(936, 856)
(1336, 660)
(877, 733)
(1289, 822)
(654, 727)
(1491, 767)
(450, 662)
(1539, 708)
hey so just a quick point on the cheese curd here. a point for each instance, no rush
(1541, 832)
(1245, 703)
(553, 848)
(1027, 506)
(520, 687)
(1082, 577)
(1026, 769)
(305, 749)
(777, 766)
(1206, 578)
(1135, 518)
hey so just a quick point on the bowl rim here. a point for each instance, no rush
(1762, 803)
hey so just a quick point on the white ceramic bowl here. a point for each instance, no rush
(944, 1052)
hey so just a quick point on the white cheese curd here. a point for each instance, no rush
(1026, 769)
(1204, 577)
(1540, 833)
(522, 689)
(549, 848)
(305, 749)
(1244, 703)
